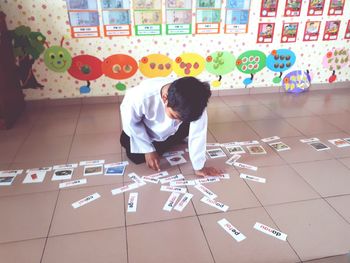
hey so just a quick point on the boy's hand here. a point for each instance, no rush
(152, 160)
(209, 171)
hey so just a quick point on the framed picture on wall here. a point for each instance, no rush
(331, 30)
(289, 32)
(347, 31)
(269, 8)
(82, 4)
(292, 8)
(265, 32)
(236, 21)
(312, 30)
(336, 7)
(315, 7)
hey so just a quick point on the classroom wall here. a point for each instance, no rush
(50, 17)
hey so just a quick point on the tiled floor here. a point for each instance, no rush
(306, 195)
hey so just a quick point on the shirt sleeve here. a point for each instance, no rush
(197, 139)
(132, 118)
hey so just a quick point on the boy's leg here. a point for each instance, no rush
(174, 139)
(136, 158)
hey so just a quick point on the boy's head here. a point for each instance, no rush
(187, 98)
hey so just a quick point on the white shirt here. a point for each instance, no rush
(144, 120)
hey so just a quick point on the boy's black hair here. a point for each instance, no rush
(189, 97)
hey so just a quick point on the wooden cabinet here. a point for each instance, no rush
(11, 95)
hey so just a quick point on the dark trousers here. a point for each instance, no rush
(161, 147)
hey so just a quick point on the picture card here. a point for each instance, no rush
(289, 33)
(171, 178)
(347, 139)
(319, 146)
(216, 153)
(214, 204)
(34, 177)
(231, 230)
(170, 203)
(233, 159)
(309, 140)
(340, 143)
(132, 202)
(292, 8)
(245, 166)
(62, 174)
(93, 170)
(268, 8)
(115, 168)
(265, 32)
(270, 139)
(176, 160)
(252, 178)
(347, 31)
(331, 30)
(72, 183)
(167, 188)
(93, 162)
(270, 231)
(234, 149)
(279, 146)
(136, 178)
(7, 179)
(167, 154)
(336, 7)
(312, 30)
(315, 7)
(201, 188)
(86, 200)
(258, 149)
(64, 166)
(185, 199)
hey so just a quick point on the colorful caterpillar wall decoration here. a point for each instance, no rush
(121, 66)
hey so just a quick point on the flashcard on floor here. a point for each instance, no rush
(208, 180)
(7, 179)
(93, 170)
(270, 139)
(132, 202)
(216, 153)
(340, 143)
(233, 159)
(176, 159)
(201, 188)
(253, 178)
(72, 183)
(125, 188)
(258, 149)
(167, 188)
(11, 172)
(185, 199)
(150, 180)
(93, 162)
(64, 166)
(245, 166)
(347, 139)
(62, 174)
(319, 146)
(214, 204)
(169, 204)
(247, 143)
(270, 231)
(115, 169)
(167, 154)
(34, 177)
(47, 169)
(136, 179)
(221, 176)
(183, 182)
(86, 200)
(158, 175)
(234, 149)
(231, 230)
(309, 140)
(279, 146)
(172, 178)
(213, 144)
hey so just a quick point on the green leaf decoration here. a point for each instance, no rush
(120, 86)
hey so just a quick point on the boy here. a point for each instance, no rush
(162, 112)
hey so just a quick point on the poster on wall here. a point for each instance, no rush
(208, 16)
(312, 30)
(269, 8)
(147, 17)
(116, 17)
(83, 18)
(347, 31)
(265, 32)
(331, 30)
(178, 17)
(315, 7)
(336, 7)
(292, 8)
(289, 32)
(237, 16)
